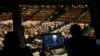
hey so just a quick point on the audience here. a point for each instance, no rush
(75, 44)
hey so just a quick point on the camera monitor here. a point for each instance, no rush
(52, 40)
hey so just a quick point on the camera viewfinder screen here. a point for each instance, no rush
(52, 40)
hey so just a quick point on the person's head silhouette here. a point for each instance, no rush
(54, 38)
(75, 30)
(11, 40)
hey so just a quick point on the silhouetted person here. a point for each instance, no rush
(11, 46)
(80, 45)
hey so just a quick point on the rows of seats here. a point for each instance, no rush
(5, 16)
(46, 10)
(86, 18)
(71, 13)
(28, 9)
(44, 13)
